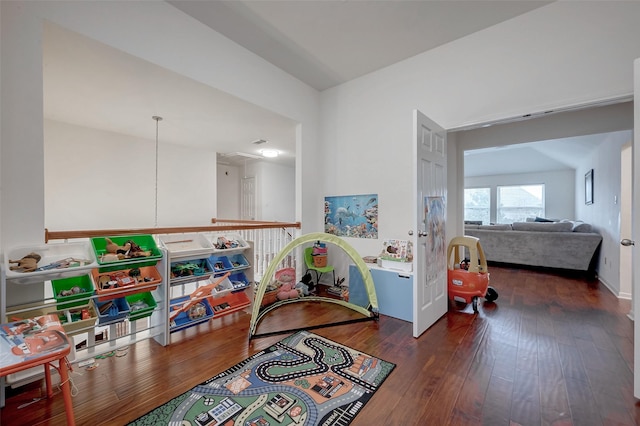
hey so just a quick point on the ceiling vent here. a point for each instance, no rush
(239, 154)
(259, 142)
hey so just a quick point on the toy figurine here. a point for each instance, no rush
(28, 263)
(129, 250)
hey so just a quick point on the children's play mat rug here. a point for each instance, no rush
(304, 379)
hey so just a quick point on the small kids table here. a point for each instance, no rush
(37, 341)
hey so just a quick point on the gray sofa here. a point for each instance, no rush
(564, 244)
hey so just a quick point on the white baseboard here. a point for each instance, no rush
(612, 289)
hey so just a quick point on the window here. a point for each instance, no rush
(477, 205)
(518, 202)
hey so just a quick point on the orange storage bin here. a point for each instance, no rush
(124, 282)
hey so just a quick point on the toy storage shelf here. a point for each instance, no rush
(72, 295)
(197, 260)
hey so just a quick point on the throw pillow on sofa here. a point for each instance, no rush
(543, 219)
(579, 226)
(543, 226)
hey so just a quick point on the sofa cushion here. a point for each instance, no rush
(543, 226)
(582, 227)
(497, 227)
(579, 226)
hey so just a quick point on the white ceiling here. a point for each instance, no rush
(327, 42)
(90, 84)
(542, 156)
(322, 43)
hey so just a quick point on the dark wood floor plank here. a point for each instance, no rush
(554, 406)
(554, 349)
(473, 391)
(497, 402)
(525, 403)
(572, 365)
(527, 348)
(584, 410)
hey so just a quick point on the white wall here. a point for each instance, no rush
(604, 213)
(274, 191)
(277, 188)
(559, 189)
(228, 191)
(96, 179)
(555, 56)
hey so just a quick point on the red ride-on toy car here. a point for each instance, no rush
(468, 279)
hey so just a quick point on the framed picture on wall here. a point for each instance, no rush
(353, 216)
(588, 187)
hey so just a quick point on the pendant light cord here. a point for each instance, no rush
(157, 119)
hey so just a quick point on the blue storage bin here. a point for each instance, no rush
(112, 315)
(182, 320)
(220, 263)
(238, 261)
(239, 281)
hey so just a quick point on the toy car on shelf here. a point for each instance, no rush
(468, 278)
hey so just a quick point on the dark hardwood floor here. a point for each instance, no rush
(553, 350)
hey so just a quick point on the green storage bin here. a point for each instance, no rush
(82, 282)
(146, 243)
(135, 299)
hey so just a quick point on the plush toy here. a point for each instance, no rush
(305, 285)
(28, 263)
(129, 250)
(285, 283)
(287, 291)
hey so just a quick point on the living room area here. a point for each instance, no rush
(540, 170)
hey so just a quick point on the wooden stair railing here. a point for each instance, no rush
(242, 225)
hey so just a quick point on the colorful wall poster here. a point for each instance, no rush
(435, 220)
(351, 216)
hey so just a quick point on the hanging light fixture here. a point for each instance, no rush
(269, 153)
(157, 119)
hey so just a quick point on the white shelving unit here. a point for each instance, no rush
(195, 261)
(28, 294)
(88, 336)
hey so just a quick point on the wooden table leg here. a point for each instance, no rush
(47, 379)
(66, 391)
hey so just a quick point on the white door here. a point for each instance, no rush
(429, 242)
(635, 225)
(626, 260)
(248, 199)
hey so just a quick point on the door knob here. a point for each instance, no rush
(627, 242)
(423, 234)
(410, 232)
